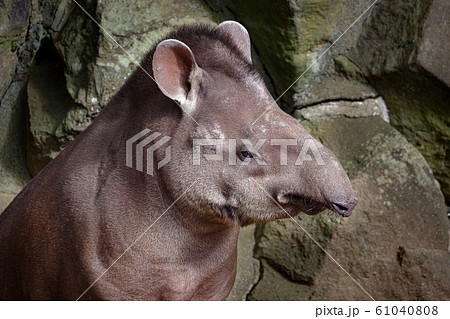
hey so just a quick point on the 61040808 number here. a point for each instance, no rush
(407, 310)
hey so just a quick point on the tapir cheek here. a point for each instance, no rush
(254, 170)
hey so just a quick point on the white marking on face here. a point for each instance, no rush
(217, 131)
(208, 133)
(260, 91)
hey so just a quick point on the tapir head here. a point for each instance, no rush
(235, 156)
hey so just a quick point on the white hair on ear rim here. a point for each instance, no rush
(176, 73)
(238, 34)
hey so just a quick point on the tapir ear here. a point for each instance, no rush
(175, 72)
(239, 35)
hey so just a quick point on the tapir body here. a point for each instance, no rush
(90, 227)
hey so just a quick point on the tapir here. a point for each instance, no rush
(91, 227)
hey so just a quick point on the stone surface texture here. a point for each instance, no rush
(369, 80)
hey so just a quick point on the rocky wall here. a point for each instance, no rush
(354, 67)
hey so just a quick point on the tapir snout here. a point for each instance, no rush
(333, 183)
(310, 178)
(336, 186)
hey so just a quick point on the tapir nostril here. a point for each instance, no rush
(345, 209)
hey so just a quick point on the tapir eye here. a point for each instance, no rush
(245, 154)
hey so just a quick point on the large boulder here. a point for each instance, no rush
(98, 60)
(401, 205)
(15, 50)
(292, 37)
(287, 248)
(247, 267)
(54, 118)
(274, 286)
(428, 266)
(401, 52)
(23, 25)
(401, 208)
(433, 52)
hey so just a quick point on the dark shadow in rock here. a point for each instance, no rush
(54, 118)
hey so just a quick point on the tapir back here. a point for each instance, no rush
(43, 226)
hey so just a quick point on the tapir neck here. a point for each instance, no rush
(150, 109)
(141, 102)
(191, 242)
(202, 225)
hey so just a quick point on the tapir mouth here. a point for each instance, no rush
(341, 210)
(313, 207)
(307, 205)
(344, 208)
